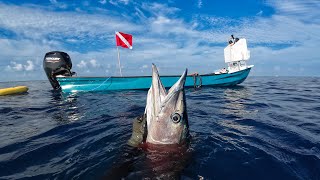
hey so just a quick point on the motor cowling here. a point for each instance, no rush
(57, 63)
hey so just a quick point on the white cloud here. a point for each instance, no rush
(103, 1)
(306, 10)
(162, 20)
(277, 29)
(72, 40)
(94, 63)
(199, 5)
(159, 9)
(45, 24)
(164, 26)
(14, 66)
(140, 14)
(26, 49)
(82, 64)
(124, 1)
(144, 68)
(59, 4)
(17, 67)
(117, 2)
(29, 66)
(259, 13)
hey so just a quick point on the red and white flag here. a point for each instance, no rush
(124, 40)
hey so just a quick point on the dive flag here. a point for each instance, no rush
(124, 40)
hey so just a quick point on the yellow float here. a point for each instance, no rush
(13, 90)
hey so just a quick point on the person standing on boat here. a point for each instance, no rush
(231, 40)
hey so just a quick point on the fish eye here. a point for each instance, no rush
(175, 117)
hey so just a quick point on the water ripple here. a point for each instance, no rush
(266, 128)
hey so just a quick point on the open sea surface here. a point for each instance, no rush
(265, 128)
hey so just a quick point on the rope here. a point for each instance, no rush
(101, 83)
(196, 76)
(200, 80)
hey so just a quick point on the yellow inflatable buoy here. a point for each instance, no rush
(13, 90)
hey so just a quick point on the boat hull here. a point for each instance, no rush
(87, 84)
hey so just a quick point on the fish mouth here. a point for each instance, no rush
(167, 121)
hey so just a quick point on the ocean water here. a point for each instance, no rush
(265, 128)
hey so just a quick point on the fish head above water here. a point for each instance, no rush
(166, 114)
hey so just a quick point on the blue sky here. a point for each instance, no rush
(283, 36)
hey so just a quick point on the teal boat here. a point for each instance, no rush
(84, 84)
(58, 65)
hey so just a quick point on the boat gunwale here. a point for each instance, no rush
(190, 75)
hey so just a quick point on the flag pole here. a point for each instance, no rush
(119, 61)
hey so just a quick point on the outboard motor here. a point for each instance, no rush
(57, 63)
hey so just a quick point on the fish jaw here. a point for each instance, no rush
(167, 120)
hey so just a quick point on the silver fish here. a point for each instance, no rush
(165, 120)
(166, 114)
